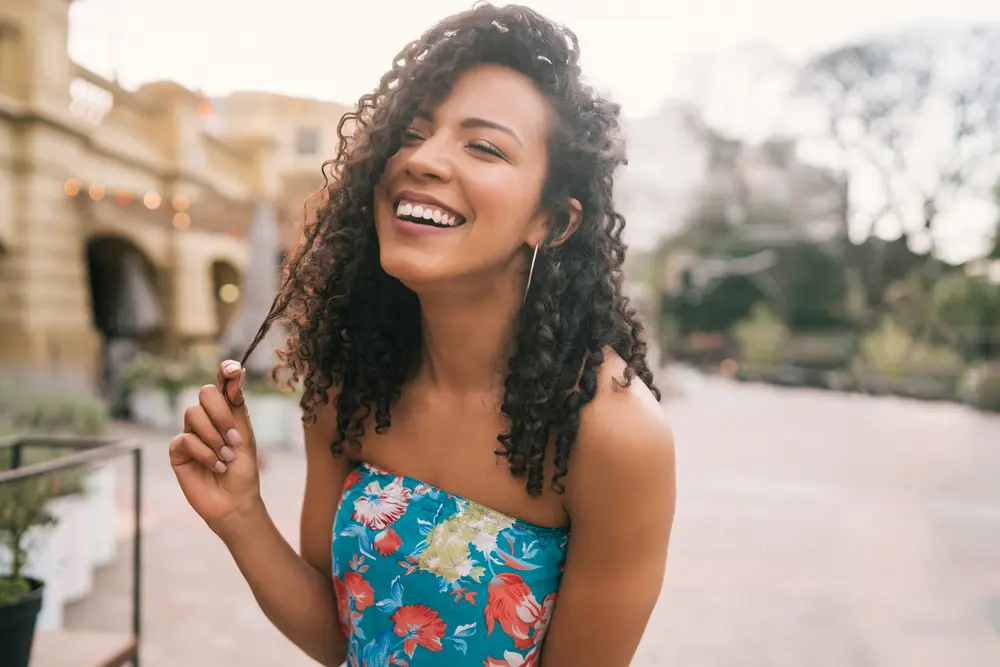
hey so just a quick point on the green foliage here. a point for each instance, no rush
(171, 376)
(813, 286)
(51, 410)
(717, 308)
(891, 352)
(986, 394)
(968, 309)
(826, 350)
(761, 337)
(23, 506)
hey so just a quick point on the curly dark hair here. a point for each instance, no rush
(355, 328)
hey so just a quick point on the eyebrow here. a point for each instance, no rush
(472, 122)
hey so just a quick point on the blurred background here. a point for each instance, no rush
(813, 203)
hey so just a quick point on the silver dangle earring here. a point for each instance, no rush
(531, 272)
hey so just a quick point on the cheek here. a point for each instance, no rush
(506, 199)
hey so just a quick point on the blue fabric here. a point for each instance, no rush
(424, 577)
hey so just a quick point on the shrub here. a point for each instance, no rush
(761, 337)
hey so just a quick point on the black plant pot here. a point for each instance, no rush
(17, 626)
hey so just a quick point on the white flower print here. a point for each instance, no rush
(485, 541)
(379, 507)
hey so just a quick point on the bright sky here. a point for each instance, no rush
(641, 52)
(638, 50)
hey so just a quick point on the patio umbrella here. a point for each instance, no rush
(136, 311)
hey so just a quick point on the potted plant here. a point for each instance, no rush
(81, 500)
(160, 388)
(23, 511)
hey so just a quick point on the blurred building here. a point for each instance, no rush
(304, 133)
(123, 214)
(668, 166)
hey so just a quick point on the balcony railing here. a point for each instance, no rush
(83, 649)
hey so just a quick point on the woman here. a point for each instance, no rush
(461, 286)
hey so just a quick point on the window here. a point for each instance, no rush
(307, 141)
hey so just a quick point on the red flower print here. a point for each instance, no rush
(353, 478)
(343, 606)
(510, 659)
(387, 542)
(357, 563)
(360, 590)
(541, 625)
(511, 603)
(419, 625)
(410, 564)
(378, 508)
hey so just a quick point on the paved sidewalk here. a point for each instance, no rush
(813, 530)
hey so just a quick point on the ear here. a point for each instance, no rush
(575, 216)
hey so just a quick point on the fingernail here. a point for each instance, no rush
(227, 453)
(239, 382)
(220, 467)
(231, 366)
(233, 437)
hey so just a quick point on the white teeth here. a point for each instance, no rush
(427, 213)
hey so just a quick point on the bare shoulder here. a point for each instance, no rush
(624, 434)
(623, 422)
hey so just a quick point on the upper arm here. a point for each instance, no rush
(620, 496)
(325, 477)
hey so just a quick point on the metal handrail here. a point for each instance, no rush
(93, 452)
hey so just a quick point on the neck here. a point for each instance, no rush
(467, 339)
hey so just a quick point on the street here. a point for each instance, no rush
(812, 529)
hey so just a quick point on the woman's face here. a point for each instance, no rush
(461, 197)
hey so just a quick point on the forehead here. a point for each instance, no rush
(501, 95)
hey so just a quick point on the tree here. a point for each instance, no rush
(912, 123)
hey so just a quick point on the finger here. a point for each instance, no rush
(220, 414)
(230, 380)
(188, 447)
(198, 421)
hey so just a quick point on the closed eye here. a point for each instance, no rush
(487, 147)
(412, 135)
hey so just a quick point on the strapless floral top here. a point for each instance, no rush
(425, 577)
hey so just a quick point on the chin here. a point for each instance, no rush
(414, 268)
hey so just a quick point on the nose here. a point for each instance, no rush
(430, 160)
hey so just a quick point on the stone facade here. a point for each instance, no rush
(88, 169)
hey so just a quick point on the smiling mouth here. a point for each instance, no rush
(427, 214)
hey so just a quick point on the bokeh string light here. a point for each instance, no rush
(151, 200)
